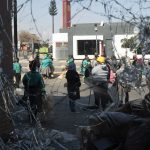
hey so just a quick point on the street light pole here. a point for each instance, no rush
(96, 29)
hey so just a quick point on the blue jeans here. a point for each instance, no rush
(72, 105)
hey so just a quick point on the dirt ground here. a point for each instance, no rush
(61, 118)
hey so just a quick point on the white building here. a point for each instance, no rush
(84, 39)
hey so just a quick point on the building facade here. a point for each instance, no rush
(81, 39)
(6, 52)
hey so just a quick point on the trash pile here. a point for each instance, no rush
(36, 138)
(17, 133)
(7, 104)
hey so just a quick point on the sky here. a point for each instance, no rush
(96, 14)
(43, 19)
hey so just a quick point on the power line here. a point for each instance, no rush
(21, 19)
(34, 21)
(21, 6)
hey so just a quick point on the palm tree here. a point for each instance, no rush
(52, 12)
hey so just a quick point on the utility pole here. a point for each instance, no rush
(15, 30)
(96, 29)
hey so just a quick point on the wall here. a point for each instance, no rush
(62, 51)
(108, 31)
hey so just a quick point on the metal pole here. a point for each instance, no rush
(96, 29)
(15, 29)
(96, 43)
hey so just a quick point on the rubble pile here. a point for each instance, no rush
(30, 138)
(7, 104)
(36, 138)
(17, 132)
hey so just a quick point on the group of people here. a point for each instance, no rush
(34, 87)
(45, 67)
(99, 69)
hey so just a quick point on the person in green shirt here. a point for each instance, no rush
(86, 65)
(34, 88)
(46, 64)
(17, 72)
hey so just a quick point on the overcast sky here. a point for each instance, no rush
(94, 15)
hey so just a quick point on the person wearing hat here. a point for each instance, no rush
(73, 84)
(34, 88)
(101, 68)
(100, 74)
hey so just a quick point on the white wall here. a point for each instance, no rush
(58, 37)
(83, 37)
(122, 51)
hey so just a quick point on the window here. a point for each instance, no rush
(87, 47)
